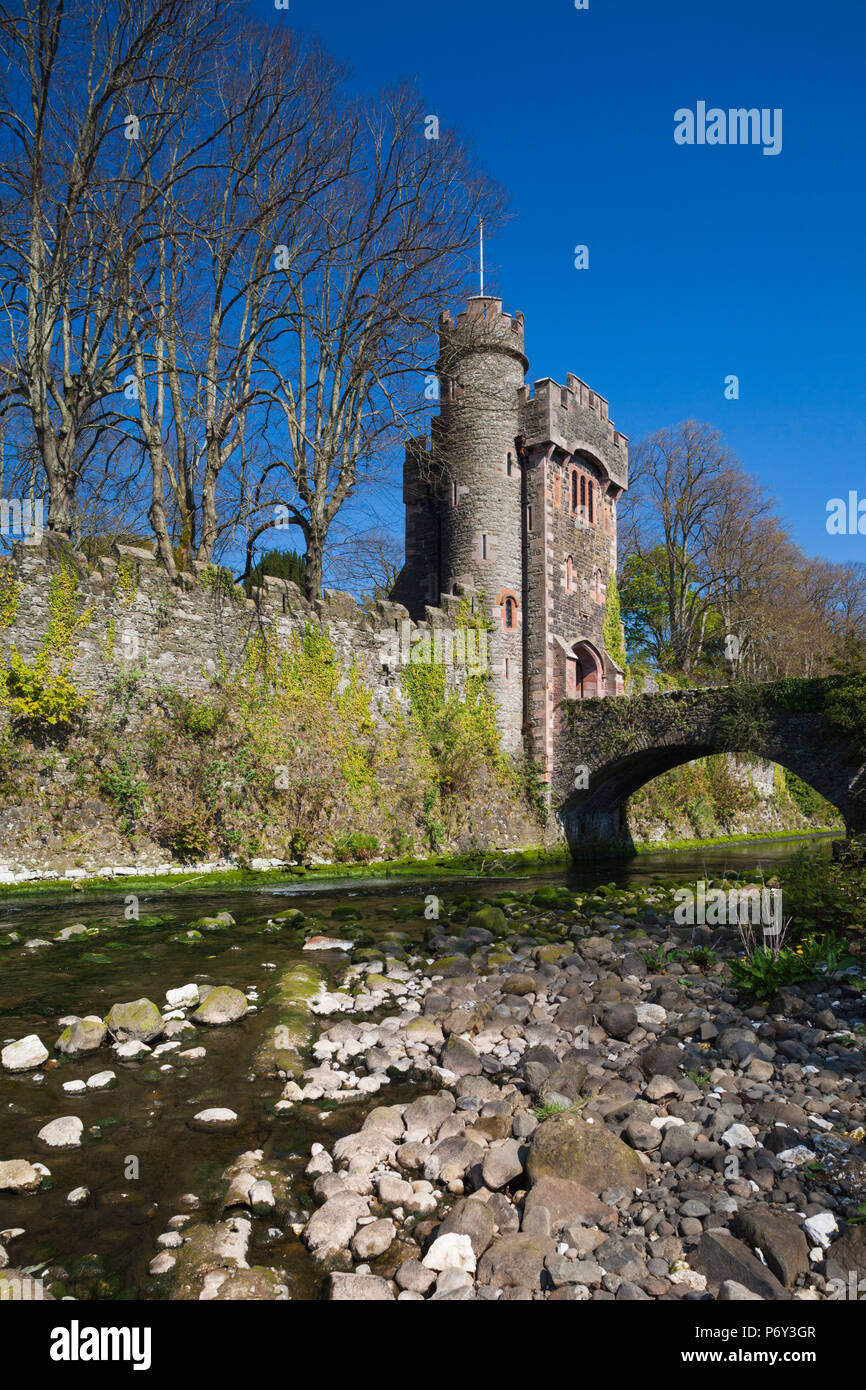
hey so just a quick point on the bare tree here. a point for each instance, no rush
(673, 520)
(370, 264)
(71, 237)
(238, 172)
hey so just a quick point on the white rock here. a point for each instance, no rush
(193, 1054)
(650, 1013)
(100, 1079)
(690, 1277)
(74, 1088)
(797, 1156)
(64, 1133)
(78, 1196)
(162, 1263)
(133, 1048)
(17, 1175)
(821, 1228)
(180, 998)
(451, 1252)
(24, 1054)
(216, 1116)
(738, 1137)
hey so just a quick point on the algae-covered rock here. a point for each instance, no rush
(565, 1146)
(221, 1006)
(218, 922)
(551, 954)
(138, 1021)
(489, 918)
(85, 1035)
(545, 896)
(292, 994)
(448, 966)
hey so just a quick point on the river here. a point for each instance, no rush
(141, 1125)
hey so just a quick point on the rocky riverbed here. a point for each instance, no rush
(548, 1095)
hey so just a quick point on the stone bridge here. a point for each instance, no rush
(608, 748)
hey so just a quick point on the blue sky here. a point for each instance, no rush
(704, 261)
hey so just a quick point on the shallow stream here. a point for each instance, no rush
(141, 1125)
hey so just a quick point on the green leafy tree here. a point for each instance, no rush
(283, 564)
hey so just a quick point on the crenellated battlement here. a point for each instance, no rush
(482, 324)
(574, 417)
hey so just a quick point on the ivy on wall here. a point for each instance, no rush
(612, 626)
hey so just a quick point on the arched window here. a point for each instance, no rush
(454, 494)
(569, 575)
(508, 465)
(574, 492)
(582, 492)
(590, 490)
(508, 607)
(598, 585)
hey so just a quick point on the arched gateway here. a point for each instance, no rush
(622, 744)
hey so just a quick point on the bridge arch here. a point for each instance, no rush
(625, 743)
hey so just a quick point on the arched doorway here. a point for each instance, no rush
(584, 673)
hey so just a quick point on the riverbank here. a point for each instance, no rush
(366, 1094)
(180, 879)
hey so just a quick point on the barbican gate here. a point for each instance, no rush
(513, 503)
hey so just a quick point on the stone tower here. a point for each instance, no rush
(513, 505)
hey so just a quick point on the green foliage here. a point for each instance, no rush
(120, 784)
(220, 581)
(810, 802)
(356, 847)
(703, 793)
(190, 837)
(126, 582)
(283, 564)
(10, 597)
(648, 604)
(830, 894)
(845, 713)
(197, 717)
(612, 626)
(36, 699)
(39, 695)
(744, 722)
(700, 1078)
(459, 728)
(763, 972)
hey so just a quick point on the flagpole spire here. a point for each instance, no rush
(481, 253)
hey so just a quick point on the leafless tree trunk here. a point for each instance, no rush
(76, 128)
(374, 259)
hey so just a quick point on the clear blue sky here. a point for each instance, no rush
(704, 261)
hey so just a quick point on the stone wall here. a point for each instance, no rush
(183, 635)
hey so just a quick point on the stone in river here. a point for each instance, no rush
(25, 1054)
(138, 1021)
(17, 1175)
(84, 1035)
(64, 1133)
(222, 1005)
